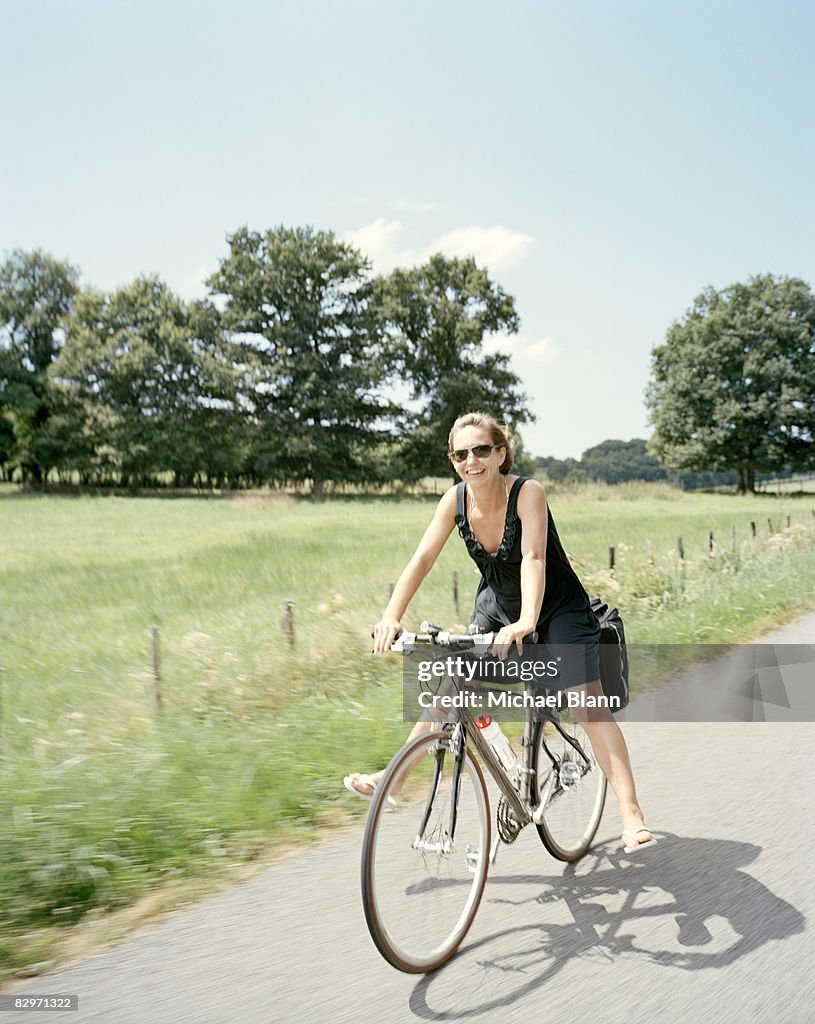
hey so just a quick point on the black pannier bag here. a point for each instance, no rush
(613, 655)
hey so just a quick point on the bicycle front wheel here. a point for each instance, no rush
(562, 756)
(425, 861)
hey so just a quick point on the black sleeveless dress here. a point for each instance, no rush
(565, 617)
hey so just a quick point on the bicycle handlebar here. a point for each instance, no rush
(436, 636)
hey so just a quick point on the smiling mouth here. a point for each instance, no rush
(474, 472)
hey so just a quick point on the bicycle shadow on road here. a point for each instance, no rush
(683, 904)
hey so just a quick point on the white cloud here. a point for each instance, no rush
(377, 241)
(496, 247)
(543, 351)
(414, 206)
(502, 343)
(191, 286)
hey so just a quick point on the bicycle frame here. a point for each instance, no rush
(463, 729)
(519, 798)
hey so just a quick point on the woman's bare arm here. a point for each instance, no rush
(534, 515)
(422, 561)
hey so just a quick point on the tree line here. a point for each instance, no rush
(299, 365)
(302, 366)
(615, 462)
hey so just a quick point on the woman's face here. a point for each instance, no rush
(478, 472)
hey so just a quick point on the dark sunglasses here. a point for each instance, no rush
(481, 451)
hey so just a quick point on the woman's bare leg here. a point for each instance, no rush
(422, 726)
(611, 751)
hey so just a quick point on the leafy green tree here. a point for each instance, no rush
(222, 436)
(438, 316)
(6, 444)
(616, 461)
(567, 470)
(137, 388)
(303, 335)
(693, 481)
(36, 294)
(523, 462)
(733, 386)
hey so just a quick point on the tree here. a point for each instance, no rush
(567, 470)
(304, 336)
(615, 461)
(6, 444)
(137, 389)
(733, 386)
(437, 317)
(36, 294)
(523, 462)
(222, 436)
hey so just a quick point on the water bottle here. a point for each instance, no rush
(501, 746)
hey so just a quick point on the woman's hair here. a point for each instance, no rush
(498, 432)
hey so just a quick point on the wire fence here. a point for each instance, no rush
(758, 531)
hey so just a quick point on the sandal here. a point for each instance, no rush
(633, 845)
(365, 780)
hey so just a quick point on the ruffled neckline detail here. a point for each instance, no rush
(474, 545)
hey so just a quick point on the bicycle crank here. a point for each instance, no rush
(508, 825)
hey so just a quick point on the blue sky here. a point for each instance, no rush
(605, 160)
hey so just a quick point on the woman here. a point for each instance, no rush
(527, 585)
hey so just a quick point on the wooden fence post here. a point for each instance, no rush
(156, 665)
(788, 522)
(611, 558)
(680, 547)
(456, 611)
(753, 528)
(733, 535)
(769, 524)
(288, 622)
(390, 590)
(710, 542)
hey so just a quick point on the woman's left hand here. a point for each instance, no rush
(514, 633)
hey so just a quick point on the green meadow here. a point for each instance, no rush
(105, 798)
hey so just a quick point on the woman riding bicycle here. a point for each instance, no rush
(527, 586)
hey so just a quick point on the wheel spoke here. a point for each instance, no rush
(422, 886)
(571, 818)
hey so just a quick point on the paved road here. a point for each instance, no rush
(713, 924)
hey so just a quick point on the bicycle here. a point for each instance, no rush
(425, 860)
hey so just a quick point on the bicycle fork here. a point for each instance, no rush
(420, 843)
(458, 751)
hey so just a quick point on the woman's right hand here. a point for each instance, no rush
(385, 632)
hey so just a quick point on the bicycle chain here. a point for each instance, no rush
(507, 824)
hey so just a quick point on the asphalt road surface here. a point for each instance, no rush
(713, 924)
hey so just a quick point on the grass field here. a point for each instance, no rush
(103, 799)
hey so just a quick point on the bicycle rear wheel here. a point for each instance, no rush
(420, 886)
(573, 813)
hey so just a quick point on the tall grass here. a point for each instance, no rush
(103, 798)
